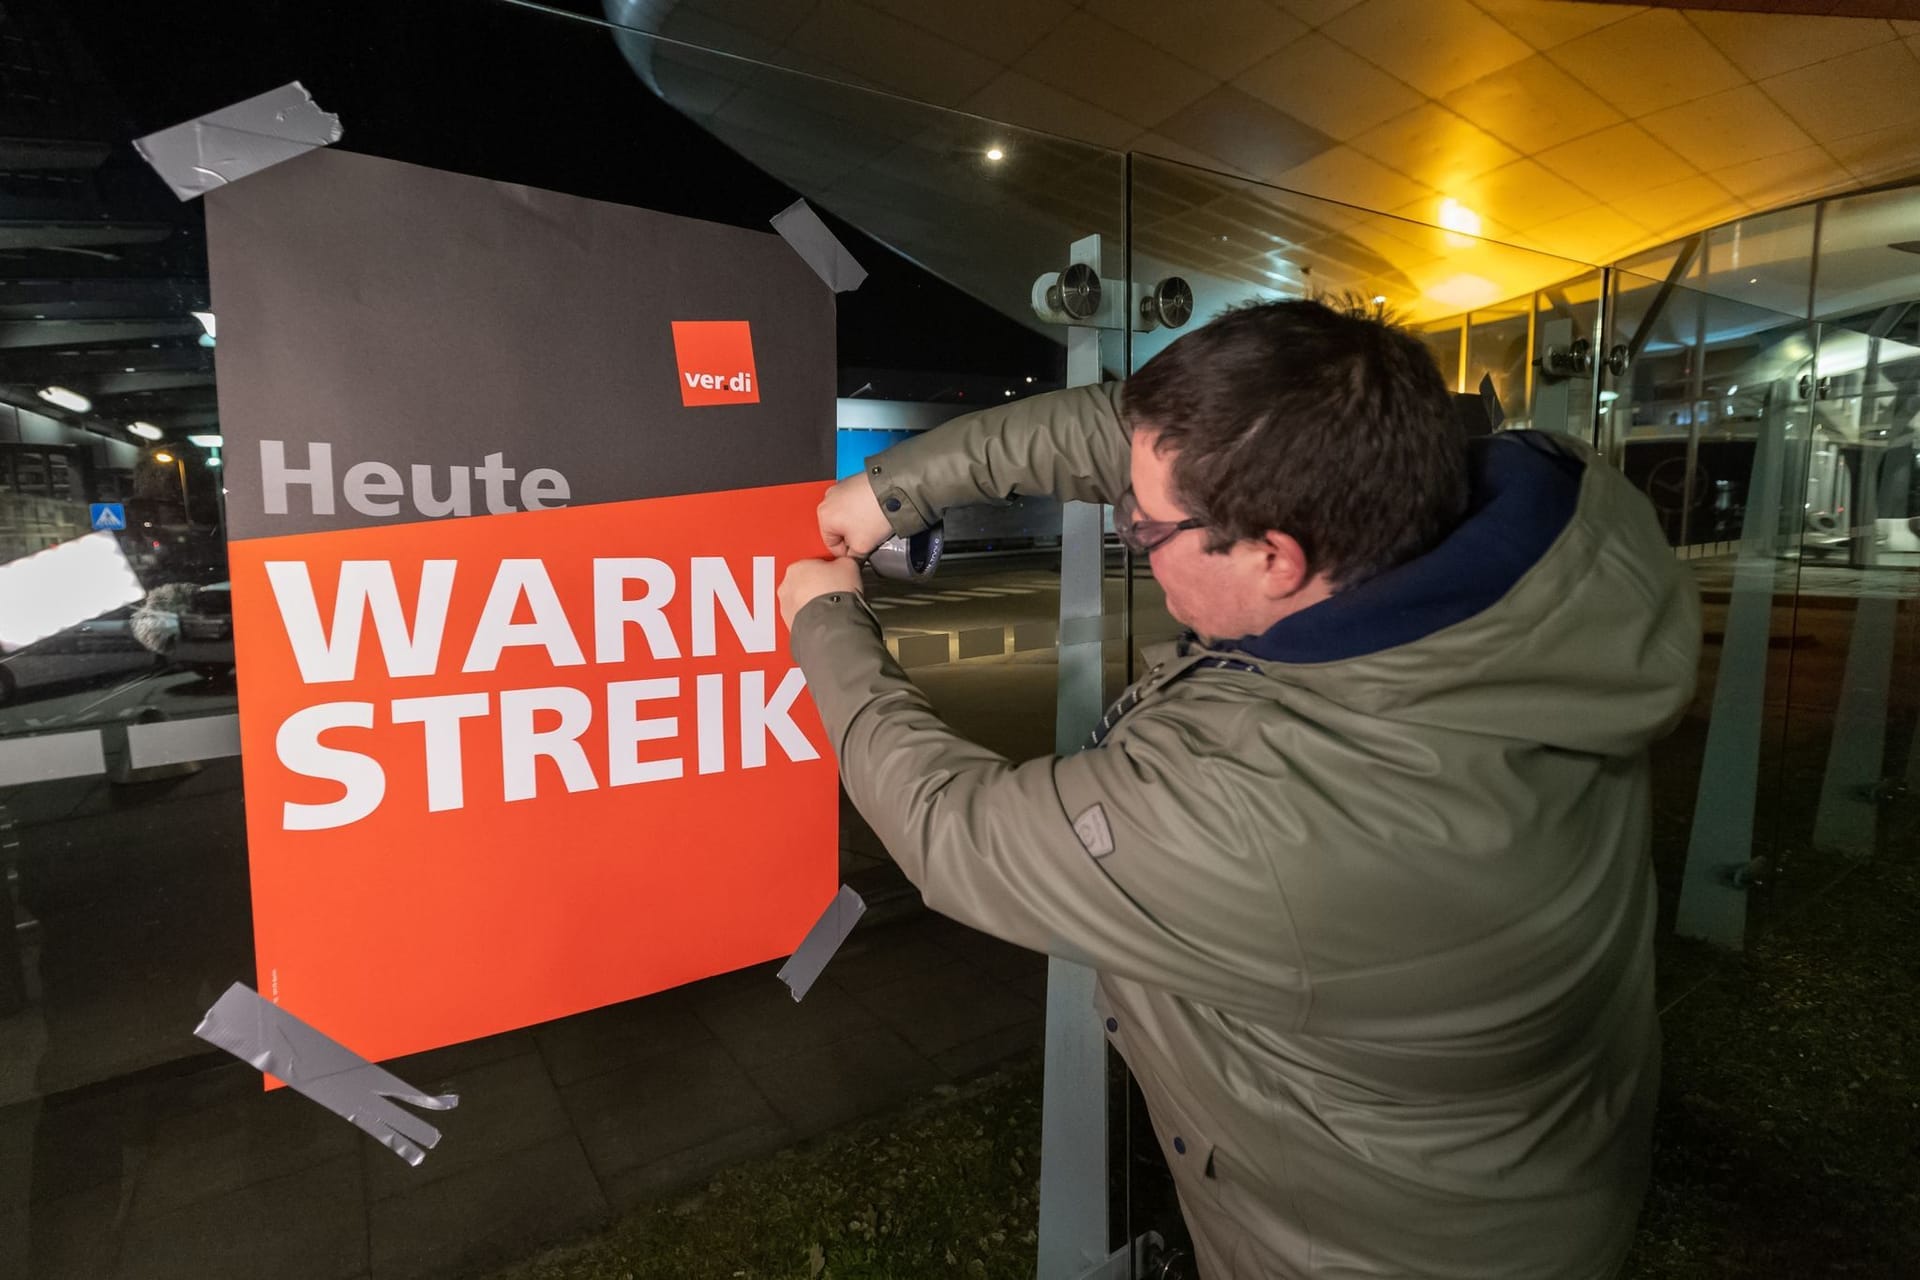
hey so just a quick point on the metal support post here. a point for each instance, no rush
(1073, 1125)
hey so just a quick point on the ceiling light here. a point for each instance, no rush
(207, 442)
(1455, 216)
(145, 430)
(995, 154)
(163, 456)
(66, 399)
(206, 321)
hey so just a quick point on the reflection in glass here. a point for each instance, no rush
(51, 591)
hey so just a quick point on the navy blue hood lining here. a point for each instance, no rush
(1523, 488)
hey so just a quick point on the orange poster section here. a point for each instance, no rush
(620, 801)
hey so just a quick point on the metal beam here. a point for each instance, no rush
(17, 233)
(24, 334)
(43, 155)
(1683, 260)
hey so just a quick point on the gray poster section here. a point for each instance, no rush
(419, 318)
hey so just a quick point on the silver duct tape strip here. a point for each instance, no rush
(801, 227)
(183, 741)
(272, 1040)
(51, 757)
(1087, 630)
(810, 958)
(227, 145)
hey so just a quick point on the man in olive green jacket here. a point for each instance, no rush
(1363, 863)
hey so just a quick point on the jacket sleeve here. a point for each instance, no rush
(1125, 857)
(1071, 444)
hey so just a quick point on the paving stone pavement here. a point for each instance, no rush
(558, 1127)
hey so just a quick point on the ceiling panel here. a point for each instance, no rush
(1728, 128)
(1002, 30)
(1651, 61)
(1545, 26)
(1018, 98)
(1438, 147)
(1589, 236)
(1315, 12)
(1115, 70)
(1766, 44)
(1524, 195)
(1677, 207)
(1436, 45)
(1352, 177)
(1617, 162)
(1336, 91)
(1247, 133)
(1882, 154)
(1585, 128)
(1777, 180)
(880, 47)
(1533, 105)
(1228, 38)
(1855, 93)
(1804, 8)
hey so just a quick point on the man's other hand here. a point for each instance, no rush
(809, 578)
(851, 521)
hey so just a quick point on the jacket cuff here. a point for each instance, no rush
(903, 513)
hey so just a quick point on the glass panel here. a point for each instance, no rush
(1500, 349)
(1851, 733)
(1446, 339)
(1471, 302)
(1711, 420)
(126, 904)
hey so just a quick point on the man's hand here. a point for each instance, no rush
(809, 578)
(851, 521)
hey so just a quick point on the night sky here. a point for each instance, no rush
(500, 91)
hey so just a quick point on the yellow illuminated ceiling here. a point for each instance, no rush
(1586, 130)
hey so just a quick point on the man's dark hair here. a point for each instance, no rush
(1334, 428)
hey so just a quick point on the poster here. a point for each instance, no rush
(512, 477)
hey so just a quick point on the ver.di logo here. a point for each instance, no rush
(716, 362)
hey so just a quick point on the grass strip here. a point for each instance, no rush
(1788, 1141)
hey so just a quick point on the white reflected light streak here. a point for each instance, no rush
(51, 590)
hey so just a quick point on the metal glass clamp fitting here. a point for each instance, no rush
(1168, 303)
(1075, 294)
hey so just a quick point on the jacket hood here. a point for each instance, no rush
(1554, 612)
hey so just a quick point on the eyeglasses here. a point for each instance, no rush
(1143, 537)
